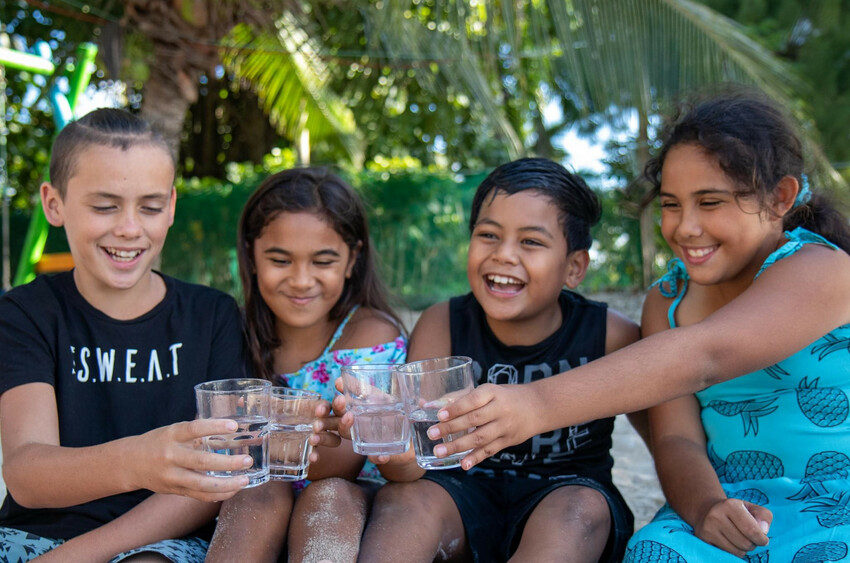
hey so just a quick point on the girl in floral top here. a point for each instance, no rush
(313, 303)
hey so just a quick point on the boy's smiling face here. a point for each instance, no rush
(518, 264)
(116, 212)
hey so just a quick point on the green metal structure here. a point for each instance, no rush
(63, 106)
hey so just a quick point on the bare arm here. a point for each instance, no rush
(778, 311)
(157, 518)
(691, 484)
(39, 473)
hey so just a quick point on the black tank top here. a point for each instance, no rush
(581, 450)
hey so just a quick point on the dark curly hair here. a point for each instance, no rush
(755, 145)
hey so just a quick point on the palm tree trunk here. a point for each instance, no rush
(647, 220)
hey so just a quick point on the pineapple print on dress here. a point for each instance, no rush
(753, 496)
(821, 552)
(830, 344)
(746, 465)
(776, 371)
(761, 557)
(750, 411)
(823, 466)
(832, 511)
(824, 406)
(648, 551)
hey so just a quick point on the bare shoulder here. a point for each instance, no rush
(367, 328)
(431, 337)
(813, 271)
(654, 315)
(620, 331)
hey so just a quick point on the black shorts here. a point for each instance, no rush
(494, 508)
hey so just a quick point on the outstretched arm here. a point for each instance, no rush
(39, 473)
(790, 306)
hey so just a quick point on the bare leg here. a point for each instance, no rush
(571, 523)
(414, 522)
(252, 525)
(328, 521)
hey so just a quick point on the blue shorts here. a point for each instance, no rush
(495, 506)
(17, 546)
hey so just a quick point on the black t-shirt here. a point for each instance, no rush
(112, 378)
(581, 450)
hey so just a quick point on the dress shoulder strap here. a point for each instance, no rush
(338, 332)
(797, 239)
(673, 285)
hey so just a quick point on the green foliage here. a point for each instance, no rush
(417, 220)
(812, 38)
(615, 255)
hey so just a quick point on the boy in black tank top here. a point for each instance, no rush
(551, 498)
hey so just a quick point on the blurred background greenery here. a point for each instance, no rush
(414, 101)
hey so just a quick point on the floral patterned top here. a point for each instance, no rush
(320, 374)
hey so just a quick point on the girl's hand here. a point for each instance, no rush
(735, 526)
(324, 430)
(408, 458)
(173, 462)
(346, 419)
(500, 414)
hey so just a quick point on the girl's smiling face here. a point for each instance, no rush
(721, 235)
(302, 265)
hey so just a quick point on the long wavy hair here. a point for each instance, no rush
(305, 190)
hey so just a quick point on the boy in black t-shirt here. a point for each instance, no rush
(97, 367)
(552, 498)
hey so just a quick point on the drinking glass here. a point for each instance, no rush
(373, 395)
(247, 402)
(293, 412)
(427, 386)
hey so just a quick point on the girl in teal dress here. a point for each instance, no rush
(313, 302)
(745, 348)
(757, 466)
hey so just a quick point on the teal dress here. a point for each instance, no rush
(778, 437)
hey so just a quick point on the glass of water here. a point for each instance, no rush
(247, 402)
(427, 386)
(373, 395)
(293, 412)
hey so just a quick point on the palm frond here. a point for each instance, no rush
(291, 79)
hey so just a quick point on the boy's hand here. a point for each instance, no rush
(735, 526)
(170, 460)
(501, 415)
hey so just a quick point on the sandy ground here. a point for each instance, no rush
(634, 472)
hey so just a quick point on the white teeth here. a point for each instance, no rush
(503, 279)
(700, 252)
(123, 255)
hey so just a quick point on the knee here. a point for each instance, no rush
(336, 491)
(585, 509)
(407, 498)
